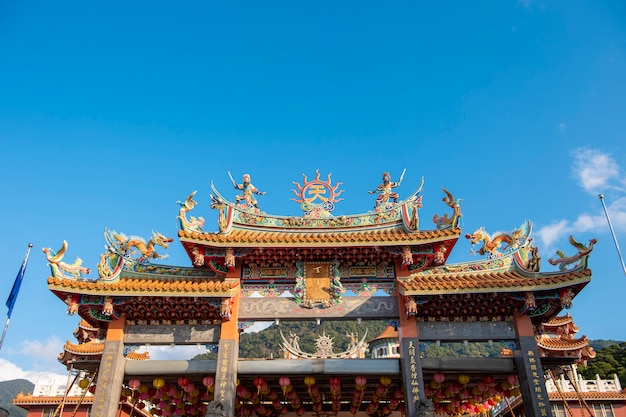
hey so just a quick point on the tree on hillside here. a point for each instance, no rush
(609, 360)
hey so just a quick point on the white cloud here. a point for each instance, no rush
(44, 354)
(175, 353)
(9, 371)
(595, 170)
(553, 232)
(587, 222)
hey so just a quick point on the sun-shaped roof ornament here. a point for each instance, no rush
(317, 198)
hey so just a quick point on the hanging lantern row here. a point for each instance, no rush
(163, 399)
(257, 401)
(458, 396)
(254, 399)
(465, 397)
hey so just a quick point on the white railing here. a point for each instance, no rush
(583, 385)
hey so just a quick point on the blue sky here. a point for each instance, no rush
(111, 112)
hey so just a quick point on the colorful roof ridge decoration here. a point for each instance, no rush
(324, 344)
(193, 223)
(310, 192)
(245, 231)
(233, 214)
(510, 271)
(62, 269)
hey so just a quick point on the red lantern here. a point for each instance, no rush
(183, 382)
(208, 381)
(360, 381)
(438, 377)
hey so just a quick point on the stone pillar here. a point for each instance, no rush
(410, 362)
(111, 372)
(227, 357)
(529, 370)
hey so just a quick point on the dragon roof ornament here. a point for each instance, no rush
(496, 244)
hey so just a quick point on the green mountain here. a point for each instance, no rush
(9, 390)
(610, 360)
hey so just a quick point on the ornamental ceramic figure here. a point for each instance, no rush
(247, 191)
(385, 190)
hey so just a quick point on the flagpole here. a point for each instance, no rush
(619, 253)
(14, 291)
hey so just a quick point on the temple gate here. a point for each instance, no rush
(317, 266)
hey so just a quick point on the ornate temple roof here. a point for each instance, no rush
(362, 251)
(247, 232)
(508, 279)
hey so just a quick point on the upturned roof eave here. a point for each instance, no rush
(63, 287)
(460, 286)
(297, 239)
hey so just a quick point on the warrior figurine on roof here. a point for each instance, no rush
(247, 190)
(385, 190)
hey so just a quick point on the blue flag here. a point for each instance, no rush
(18, 282)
